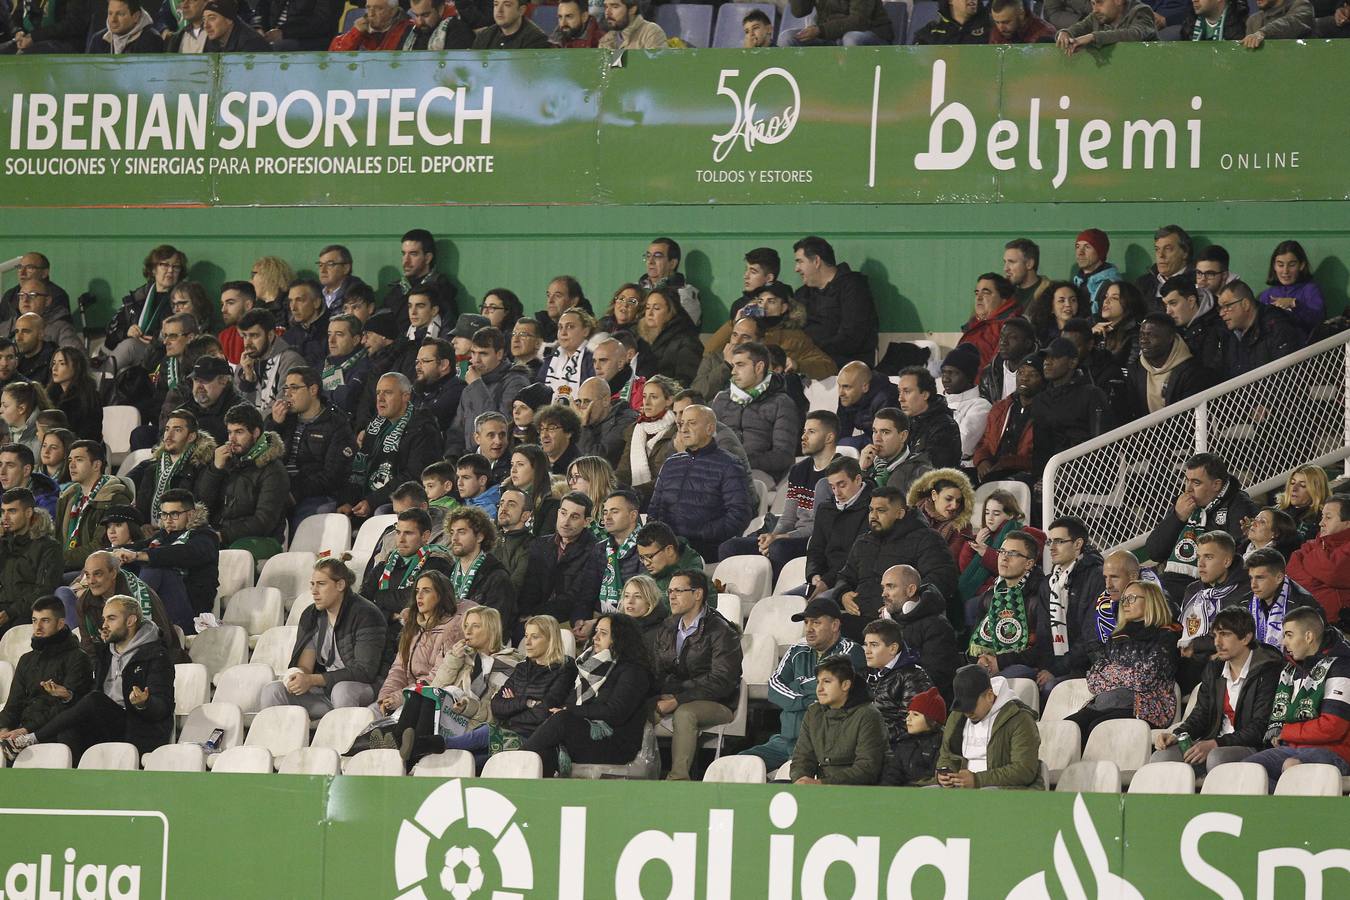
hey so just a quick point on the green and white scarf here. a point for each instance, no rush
(171, 371)
(415, 564)
(745, 398)
(140, 592)
(165, 471)
(260, 446)
(462, 581)
(335, 376)
(76, 512)
(611, 586)
(1203, 31)
(1298, 698)
(882, 469)
(389, 440)
(1006, 628)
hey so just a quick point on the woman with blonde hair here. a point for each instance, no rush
(594, 477)
(1134, 678)
(271, 278)
(641, 600)
(569, 362)
(652, 440)
(1305, 491)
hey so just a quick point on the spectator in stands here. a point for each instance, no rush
(978, 558)
(477, 576)
(921, 612)
(387, 351)
(390, 586)
(17, 470)
(347, 364)
(510, 30)
(436, 28)
(396, 446)
(1134, 678)
(91, 493)
(862, 392)
(130, 29)
(643, 603)
(499, 379)
(52, 675)
(418, 252)
(134, 700)
(957, 22)
(672, 337)
(991, 739)
(336, 660)
(30, 558)
(1220, 581)
(181, 561)
(843, 737)
(888, 459)
(1279, 20)
(1165, 371)
(236, 301)
(1305, 490)
(702, 491)
(698, 661)
(1322, 565)
(308, 330)
(184, 453)
(1117, 330)
(9, 363)
(894, 676)
(559, 428)
(359, 301)
(594, 477)
(604, 424)
(914, 759)
(1292, 288)
(569, 362)
(564, 573)
(576, 26)
(761, 413)
(438, 480)
(473, 483)
(266, 359)
(246, 486)
(1016, 341)
(1092, 272)
(564, 293)
(433, 624)
(34, 296)
(606, 714)
(969, 409)
(103, 577)
(848, 24)
(35, 267)
(530, 473)
(1110, 22)
(170, 370)
(383, 27)
(1021, 256)
(271, 277)
(335, 265)
(841, 518)
(613, 362)
(1075, 583)
(527, 337)
(933, 431)
(1272, 529)
(1172, 252)
(1210, 498)
(515, 533)
(136, 322)
(1273, 594)
(792, 688)
(1061, 302)
(35, 351)
(226, 32)
(1215, 20)
(1261, 333)
(714, 370)
(896, 536)
(663, 258)
(492, 439)
(663, 554)
(758, 30)
(652, 439)
(437, 389)
(1310, 718)
(995, 303)
(1232, 708)
(1070, 410)
(53, 460)
(1006, 447)
(945, 502)
(841, 316)
(1013, 23)
(1197, 317)
(772, 317)
(1012, 630)
(619, 550)
(625, 310)
(319, 445)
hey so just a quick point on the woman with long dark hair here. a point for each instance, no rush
(1117, 328)
(502, 308)
(20, 403)
(75, 393)
(530, 472)
(1292, 288)
(676, 348)
(431, 625)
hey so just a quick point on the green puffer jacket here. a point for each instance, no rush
(57, 658)
(1013, 753)
(841, 746)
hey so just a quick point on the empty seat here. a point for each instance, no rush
(191, 688)
(255, 610)
(207, 718)
(280, 729)
(339, 727)
(728, 30)
(736, 770)
(325, 531)
(1164, 778)
(288, 572)
(1028, 691)
(772, 617)
(240, 685)
(43, 756)
(302, 602)
(1061, 746)
(219, 648)
(924, 11)
(236, 570)
(748, 576)
(310, 761)
(118, 423)
(175, 758)
(134, 459)
(758, 656)
(1090, 777)
(450, 764)
(275, 647)
(1124, 742)
(15, 643)
(899, 15)
(729, 605)
(368, 538)
(514, 764)
(783, 772)
(792, 575)
(1309, 780)
(116, 756)
(1066, 699)
(546, 17)
(691, 23)
(1236, 779)
(244, 760)
(375, 762)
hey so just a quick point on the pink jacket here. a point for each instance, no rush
(428, 649)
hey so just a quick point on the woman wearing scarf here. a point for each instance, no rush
(946, 501)
(569, 362)
(1271, 529)
(604, 718)
(133, 328)
(977, 559)
(652, 440)
(1134, 679)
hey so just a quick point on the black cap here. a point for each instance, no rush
(122, 513)
(208, 368)
(777, 288)
(968, 686)
(383, 323)
(1062, 348)
(468, 324)
(1035, 361)
(821, 606)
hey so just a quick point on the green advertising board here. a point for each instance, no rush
(124, 835)
(1174, 121)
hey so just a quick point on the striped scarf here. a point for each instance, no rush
(77, 510)
(613, 583)
(592, 670)
(1006, 628)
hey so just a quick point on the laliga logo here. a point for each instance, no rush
(747, 128)
(460, 874)
(1109, 884)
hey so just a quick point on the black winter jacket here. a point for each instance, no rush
(893, 688)
(241, 39)
(935, 434)
(150, 668)
(1272, 336)
(708, 666)
(704, 496)
(833, 534)
(319, 453)
(1251, 714)
(841, 317)
(248, 497)
(197, 557)
(30, 567)
(550, 685)
(910, 542)
(133, 304)
(419, 447)
(858, 417)
(913, 760)
(675, 352)
(566, 589)
(360, 637)
(622, 703)
(1226, 514)
(189, 474)
(927, 630)
(57, 658)
(1086, 584)
(607, 437)
(1066, 415)
(1206, 336)
(946, 30)
(440, 399)
(492, 587)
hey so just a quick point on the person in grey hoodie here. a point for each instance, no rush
(499, 380)
(1279, 20)
(265, 361)
(1110, 22)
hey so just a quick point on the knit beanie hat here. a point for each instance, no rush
(930, 704)
(966, 358)
(1098, 239)
(227, 8)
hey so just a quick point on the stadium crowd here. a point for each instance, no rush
(236, 26)
(577, 469)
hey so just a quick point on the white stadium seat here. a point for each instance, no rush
(569, 642)
(375, 762)
(1028, 691)
(191, 688)
(236, 573)
(368, 538)
(6, 680)
(325, 531)
(288, 572)
(1061, 746)
(793, 575)
(207, 718)
(1090, 777)
(450, 764)
(1309, 780)
(1236, 779)
(175, 758)
(114, 756)
(275, 648)
(1164, 778)
(310, 761)
(241, 685)
(772, 617)
(514, 764)
(1124, 742)
(15, 643)
(255, 610)
(134, 459)
(748, 576)
(244, 760)
(281, 729)
(118, 423)
(43, 756)
(759, 654)
(219, 648)
(741, 769)
(1066, 699)
(302, 602)
(339, 727)
(729, 605)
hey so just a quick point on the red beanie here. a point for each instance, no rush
(930, 704)
(1098, 239)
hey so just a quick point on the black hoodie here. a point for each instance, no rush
(927, 631)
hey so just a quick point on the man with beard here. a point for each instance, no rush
(319, 443)
(435, 28)
(181, 561)
(50, 676)
(184, 452)
(246, 486)
(390, 586)
(236, 301)
(9, 363)
(438, 388)
(625, 29)
(1005, 450)
(418, 251)
(510, 30)
(604, 423)
(921, 612)
(213, 392)
(576, 26)
(496, 382)
(477, 576)
(265, 361)
(30, 557)
(35, 351)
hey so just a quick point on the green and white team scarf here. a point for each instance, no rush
(415, 564)
(335, 376)
(745, 398)
(462, 581)
(1298, 698)
(165, 470)
(76, 512)
(611, 587)
(1006, 627)
(384, 472)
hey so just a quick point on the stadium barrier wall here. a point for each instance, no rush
(148, 835)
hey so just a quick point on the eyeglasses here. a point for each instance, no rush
(626, 301)
(550, 429)
(1013, 553)
(650, 557)
(32, 295)
(330, 265)
(172, 267)
(1230, 304)
(487, 308)
(653, 257)
(1202, 274)
(172, 513)
(292, 388)
(574, 477)
(671, 592)
(1131, 598)
(522, 334)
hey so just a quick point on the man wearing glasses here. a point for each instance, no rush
(527, 336)
(559, 427)
(1076, 581)
(181, 562)
(663, 270)
(320, 445)
(1012, 635)
(33, 266)
(335, 276)
(1261, 333)
(35, 297)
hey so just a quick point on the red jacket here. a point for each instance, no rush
(1331, 728)
(360, 40)
(984, 335)
(987, 450)
(590, 38)
(1322, 567)
(232, 344)
(1034, 31)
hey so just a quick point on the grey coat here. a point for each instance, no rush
(491, 393)
(769, 427)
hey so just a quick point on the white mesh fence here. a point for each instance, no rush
(1264, 424)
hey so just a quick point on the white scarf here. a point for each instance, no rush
(645, 437)
(1059, 607)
